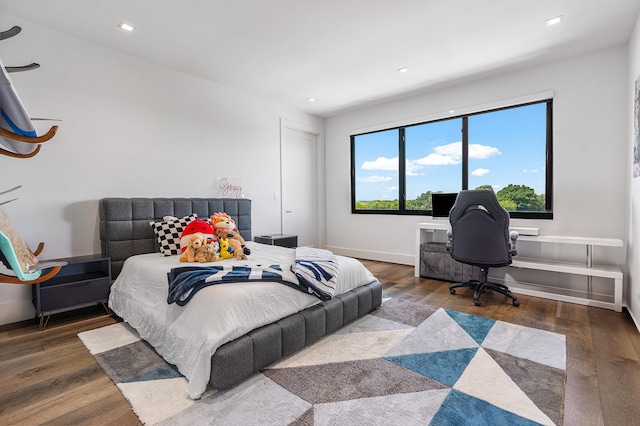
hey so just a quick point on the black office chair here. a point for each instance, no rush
(480, 236)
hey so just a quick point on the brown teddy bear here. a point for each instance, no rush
(207, 253)
(194, 242)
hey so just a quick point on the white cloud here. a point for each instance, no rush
(530, 171)
(412, 168)
(451, 154)
(375, 179)
(477, 151)
(452, 149)
(480, 172)
(438, 159)
(443, 155)
(381, 163)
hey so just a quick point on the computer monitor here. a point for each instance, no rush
(441, 203)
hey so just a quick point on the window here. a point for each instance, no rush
(395, 171)
(377, 173)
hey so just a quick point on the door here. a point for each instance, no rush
(299, 184)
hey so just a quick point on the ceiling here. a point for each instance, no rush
(343, 53)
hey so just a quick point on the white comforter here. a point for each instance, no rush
(187, 336)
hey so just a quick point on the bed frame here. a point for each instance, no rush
(125, 231)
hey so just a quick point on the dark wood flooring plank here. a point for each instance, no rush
(582, 393)
(44, 392)
(33, 369)
(618, 367)
(97, 404)
(541, 313)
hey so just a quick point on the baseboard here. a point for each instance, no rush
(16, 325)
(76, 312)
(16, 311)
(402, 259)
(633, 318)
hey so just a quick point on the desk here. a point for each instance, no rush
(427, 231)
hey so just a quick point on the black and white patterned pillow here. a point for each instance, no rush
(168, 231)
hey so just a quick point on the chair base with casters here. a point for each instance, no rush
(480, 236)
(479, 286)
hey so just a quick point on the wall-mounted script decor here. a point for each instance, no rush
(229, 188)
(18, 137)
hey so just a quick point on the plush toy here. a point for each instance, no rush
(226, 251)
(195, 242)
(207, 253)
(216, 249)
(196, 226)
(225, 227)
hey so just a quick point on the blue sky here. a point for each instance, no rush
(505, 147)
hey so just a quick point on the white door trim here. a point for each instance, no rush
(320, 172)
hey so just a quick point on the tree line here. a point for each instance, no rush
(511, 197)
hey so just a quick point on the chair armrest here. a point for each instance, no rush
(46, 265)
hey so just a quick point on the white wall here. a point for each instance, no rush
(633, 287)
(590, 154)
(129, 128)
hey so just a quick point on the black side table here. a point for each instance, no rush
(282, 240)
(84, 280)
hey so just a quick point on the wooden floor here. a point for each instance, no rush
(48, 377)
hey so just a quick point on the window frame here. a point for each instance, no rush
(547, 214)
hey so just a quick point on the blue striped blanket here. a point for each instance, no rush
(314, 271)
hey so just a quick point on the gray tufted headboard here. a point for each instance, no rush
(125, 229)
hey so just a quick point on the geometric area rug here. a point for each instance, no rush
(405, 363)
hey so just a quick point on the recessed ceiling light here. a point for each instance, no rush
(403, 69)
(452, 111)
(311, 99)
(554, 21)
(126, 26)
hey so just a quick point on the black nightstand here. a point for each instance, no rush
(84, 280)
(282, 240)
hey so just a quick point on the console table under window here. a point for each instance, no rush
(436, 232)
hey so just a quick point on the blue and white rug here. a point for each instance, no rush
(405, 363)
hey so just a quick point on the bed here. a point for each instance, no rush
(227, 332)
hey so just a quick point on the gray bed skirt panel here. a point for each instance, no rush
(239, 359)
(125, 229)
